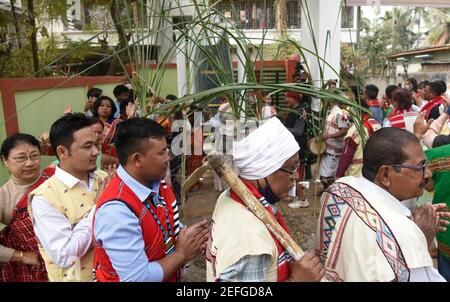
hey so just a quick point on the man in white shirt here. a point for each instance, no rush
(365, 233)
(61, 207)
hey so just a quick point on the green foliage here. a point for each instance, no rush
(280, 50)
(438, 20)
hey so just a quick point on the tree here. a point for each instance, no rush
(397, 28)
(438, 21)
(42, 11)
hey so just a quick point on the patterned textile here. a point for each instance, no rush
(370, 126)
(338, 207)
(249, 268)
(404, 119)
(19, 235)
(108, 134)
(335, 121)
(439, 164)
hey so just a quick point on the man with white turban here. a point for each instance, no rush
(240, 247)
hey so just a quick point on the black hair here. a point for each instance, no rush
(371, 91)
(443, 86)
(385, 147)
(99, 101)
(17, 138)
(171, 97)
(132, 136)
(403, 98)
(119, 89)
(61, 131)
(96, 92)
(413, 82)
(131, 97)
(123, 106)
(389, 90)
(435, 87)
(356, 90)
(423, 84)
(96, 120)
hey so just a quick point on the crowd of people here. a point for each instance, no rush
(107, 208)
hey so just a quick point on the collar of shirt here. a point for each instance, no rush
(390, 201)
(141, 191)
(70, 180)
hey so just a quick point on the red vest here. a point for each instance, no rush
(436, 101)
(283, 256)
(153, 238)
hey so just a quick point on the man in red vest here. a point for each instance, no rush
(433, 94)
(137, 234)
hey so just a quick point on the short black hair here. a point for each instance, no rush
(96, 120)
(15, 139)
(61, 132)
(171, 97)
(371, 91)
(389, 90)
(403, 98)
(413, 82)
(435, 87)
(356, 90)
(119, 89)
(132, 133)
(99, 101)
(97, 92)
(385, 147)
(423, 84)
(443, 86)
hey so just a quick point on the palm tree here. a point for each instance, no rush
(397, 28)
(438, 21)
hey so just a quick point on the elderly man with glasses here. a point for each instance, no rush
(365, 232)
(241, 248)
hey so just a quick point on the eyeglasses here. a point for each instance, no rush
(419, 167)
(24, 158)
(292, 172)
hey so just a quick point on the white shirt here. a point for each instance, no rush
(63, 242)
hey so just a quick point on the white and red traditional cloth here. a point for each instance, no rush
(366, 234)
(403, 119)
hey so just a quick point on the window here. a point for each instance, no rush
(294, 13)
(252, 14)
(347, 17)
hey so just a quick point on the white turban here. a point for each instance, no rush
(264, 151)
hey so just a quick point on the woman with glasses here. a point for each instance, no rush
(19, 254)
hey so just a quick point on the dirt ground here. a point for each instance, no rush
(200, 204)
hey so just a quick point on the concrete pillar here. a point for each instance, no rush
(242, 78)
(181, 69)
(325, 31)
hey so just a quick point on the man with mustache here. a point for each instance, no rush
(137, 233)
(365, 233)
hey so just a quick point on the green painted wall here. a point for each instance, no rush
(4, 175)
(107, 89)
(38, 109)
(168, 83)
